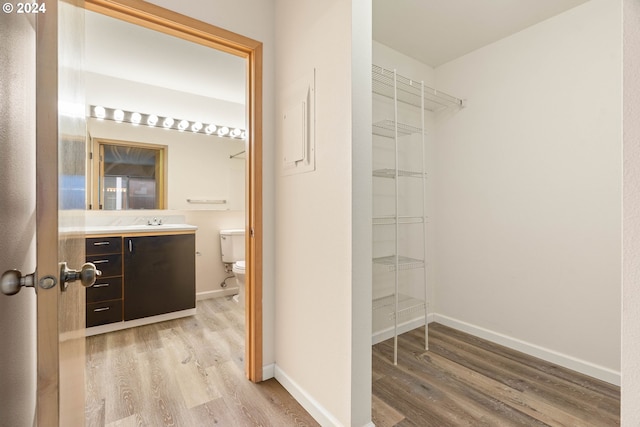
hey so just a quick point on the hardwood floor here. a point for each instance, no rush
(187, 372)
(466, 381)
(190, 372)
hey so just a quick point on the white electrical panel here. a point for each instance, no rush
(298, 127)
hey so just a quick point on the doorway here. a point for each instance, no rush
(174, 24)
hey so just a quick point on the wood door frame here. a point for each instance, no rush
(160, 19)
(48, 356)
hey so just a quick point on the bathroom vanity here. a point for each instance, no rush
(148, 275)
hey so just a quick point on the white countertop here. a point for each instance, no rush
(124, 229)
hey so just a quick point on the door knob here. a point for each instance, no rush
(87, 275)
(13, 280)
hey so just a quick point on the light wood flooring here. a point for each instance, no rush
(190, 372)
(466, 381)
(187, 372)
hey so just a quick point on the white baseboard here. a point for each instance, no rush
(570, 362)
(383, 335)
(317, 411)
(233, 290)
(268, 371)
(118, 326)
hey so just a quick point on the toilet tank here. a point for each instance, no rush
(232, 245)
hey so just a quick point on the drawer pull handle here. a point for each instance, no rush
(100, 243)
(100, 261)
(100, 285)
(96, 310)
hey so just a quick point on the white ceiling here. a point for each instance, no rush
(436, 31)
(431, 31)
(118, 49)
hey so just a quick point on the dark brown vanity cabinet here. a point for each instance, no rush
(104, 298)
(159, 275)
(142, 276)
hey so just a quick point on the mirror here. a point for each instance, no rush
(148, 88)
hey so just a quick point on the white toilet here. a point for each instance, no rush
(232, 248)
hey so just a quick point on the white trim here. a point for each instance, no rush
(317, 411)
(385, 334)
(219, 293)
(570, 362)
(110, 327)
(268, 371)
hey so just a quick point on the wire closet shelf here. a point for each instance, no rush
(398, 303)
(410, 91)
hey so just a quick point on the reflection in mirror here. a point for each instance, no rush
(185, 97)
(131, 177)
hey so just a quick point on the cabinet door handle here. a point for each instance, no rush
(96, 310)
(100, 285)
(100, 243)
(101, 261)
(130, 245)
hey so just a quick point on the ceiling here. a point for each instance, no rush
(431, 31)
(119, 49)
(436, 31)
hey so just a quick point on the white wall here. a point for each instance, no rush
(258, 25)
(17, 218)
(630, 410)
(314, 241)
(361, 213)
(529, 189)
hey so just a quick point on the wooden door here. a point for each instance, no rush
(60, 203)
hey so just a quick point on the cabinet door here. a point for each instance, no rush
(159, 275)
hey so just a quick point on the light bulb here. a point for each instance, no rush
(99, 112)
(118, 115)
(236, 133)
(223, 131)
(136, 118)
(167, 123)
(183, 125)
(152, 120)
(210, 129)
(195, 128)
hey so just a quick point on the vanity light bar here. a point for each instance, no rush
(140, 119)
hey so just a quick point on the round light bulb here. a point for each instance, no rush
(223, 131)
(236, 133)
(195, 128)
(167, 123)
(210, 129)
(183, 125)
(152, 120)
(99, 112)
(118, 115)
(136, 118)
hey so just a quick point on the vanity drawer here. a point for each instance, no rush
(103, 245)
(101, 313)
(109, 265)
(105, 289)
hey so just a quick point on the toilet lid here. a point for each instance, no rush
(238, 265)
